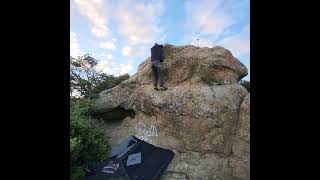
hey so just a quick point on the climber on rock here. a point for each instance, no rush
(156, 58)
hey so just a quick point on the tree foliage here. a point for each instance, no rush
(87, 81)
(245, 84)
(87, 142)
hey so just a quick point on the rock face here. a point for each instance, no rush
(204, 116)
(241, 144)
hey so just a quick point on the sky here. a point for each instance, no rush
(120, 33)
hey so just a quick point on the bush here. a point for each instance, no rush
(87, 81)
(245, 84)
(87, 143)
(77, 173)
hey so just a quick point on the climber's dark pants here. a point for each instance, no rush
(157, 73)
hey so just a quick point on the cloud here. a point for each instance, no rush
(126, 50)
(74, 45)
(125, 68)
(105, 66)
(238, 44)
(136, 22)
(201, 42)
(207, 17)
(109, 56)
(213, 19)
(135, 51)
(110, 66)
(210, 24)
(96, 12)
(108, 45)
(139, 21)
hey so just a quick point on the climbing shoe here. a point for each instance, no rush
(163, 88)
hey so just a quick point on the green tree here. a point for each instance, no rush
(87, 142)
(86, 80)
(245, 84)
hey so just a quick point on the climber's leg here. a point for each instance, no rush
(155, 76)
(161, 76)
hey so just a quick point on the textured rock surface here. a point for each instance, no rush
(204, 116)
(241, 144)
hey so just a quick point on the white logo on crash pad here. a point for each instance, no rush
(111, 168)
(134, 159)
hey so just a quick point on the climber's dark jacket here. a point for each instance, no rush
(157, 53)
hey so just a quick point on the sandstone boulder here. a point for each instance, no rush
(204, 116)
